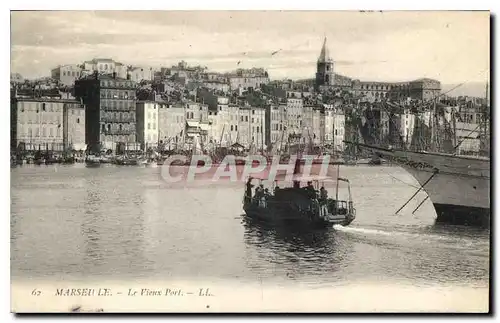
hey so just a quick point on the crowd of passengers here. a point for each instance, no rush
(307, 191)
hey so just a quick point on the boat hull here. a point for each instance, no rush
(292, 217)
(459, 188)
(462, 215)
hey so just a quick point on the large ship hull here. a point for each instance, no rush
(458, 186)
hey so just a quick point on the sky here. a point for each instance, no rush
(451, 46)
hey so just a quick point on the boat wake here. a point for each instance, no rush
(362, 230)
(424, 239)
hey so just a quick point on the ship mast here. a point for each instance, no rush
(433, 126)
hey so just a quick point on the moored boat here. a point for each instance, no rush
(458, 186)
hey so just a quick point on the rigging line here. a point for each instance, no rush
(399, 180)
(466, 137)
(418, 207)
(421, 187)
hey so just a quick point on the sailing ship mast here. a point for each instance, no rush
(432, 124)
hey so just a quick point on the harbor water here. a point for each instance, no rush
(127, 223)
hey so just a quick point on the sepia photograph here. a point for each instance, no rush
(171, 161)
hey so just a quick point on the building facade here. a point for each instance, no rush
(318, 125)
(40, 123)
(105, 66)
(171, 125)
(74, 126)
(244, 79)
(67, 74)
(110, 118)
(147, 130)
(138, 74)
(334, 127)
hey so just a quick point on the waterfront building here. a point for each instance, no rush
(218, 117)
(67, 74)
(334, 127)
(257, 127)
(273, 120)
(147, 130)
(232, 118)
(111, 111)
(318, 125)
(243, 136)
(307, 122)
(171, 125)
(294, 112)
(37, 123)
(74, 126)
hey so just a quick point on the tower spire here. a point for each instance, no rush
(324, 56)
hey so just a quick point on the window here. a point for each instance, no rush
(51, 132)
(103, 128)
(235, 128)
(149, 126)
(231, 127)
(30, 132)
(335, 132)
(77, 120)
(109, 127)
(257, 128)
(43, 106)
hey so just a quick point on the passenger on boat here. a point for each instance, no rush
(323, 193)
(311, 192)
(259, 192)
(249, 186)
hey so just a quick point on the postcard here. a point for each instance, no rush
(250, 161)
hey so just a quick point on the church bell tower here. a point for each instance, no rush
(324, 68)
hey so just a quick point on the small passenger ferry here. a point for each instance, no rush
(298, 204)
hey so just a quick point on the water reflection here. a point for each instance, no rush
(295, 252)
(113, 228)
